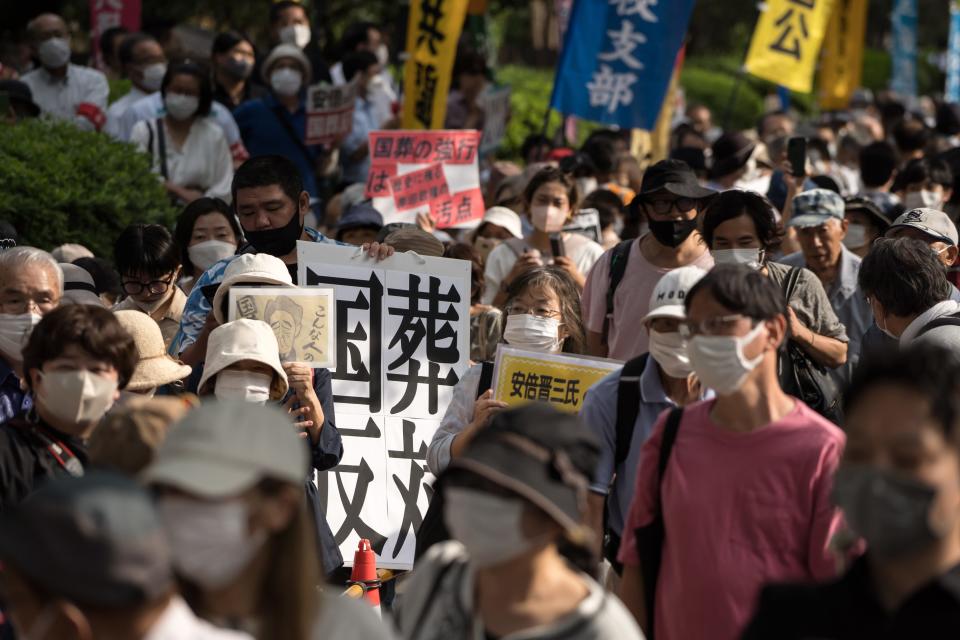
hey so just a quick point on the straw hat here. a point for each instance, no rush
(242, 340)
(78, 286)
(154, 367)
(250, 268)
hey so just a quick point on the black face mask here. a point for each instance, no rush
(672, 233)
(277, 242)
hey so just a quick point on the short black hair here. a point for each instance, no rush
(202, 76)
(911, 135)
(741, 290)
(183, 232)
(608, 205)
(147, 249)
(921, 170)
(354, 35)
(534, 141)
(878, 161)
(129, 43)
(356, 62)
(928, 370)
(728, 205)
(106, 40)
(279, 7)
(470, 62)
(264, 171)
(602, 153)
(904, 275)
(226, 40)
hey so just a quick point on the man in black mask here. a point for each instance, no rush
(620, 284)
(271, 203)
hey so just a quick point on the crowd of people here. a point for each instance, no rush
(777, 457)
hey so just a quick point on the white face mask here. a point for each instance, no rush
(286, 82)
(489, 526)
(526, 331)
(881, 321)
(153, 76)
(297, 34)
(211, 542)
(922, 199)
(670, 352)
(547, 218)
(54, 52)
(383, 55)
(14, 332)
(719, 362)
(245, 386)
(205, 254)
(76, 397)
(149, 307)
(856, 236)
(181, 107)
(752, 258)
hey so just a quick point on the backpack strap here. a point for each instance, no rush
(162, 144)
(486, 378)
(618, 267)
(952, 320)
(670, 430)
(628, 406)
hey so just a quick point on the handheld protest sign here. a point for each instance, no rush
(522, 376)
(329, 112)
(302, 318)
(586, 222)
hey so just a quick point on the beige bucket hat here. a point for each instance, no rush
(154, 367)
(244, 340)
(250, 268)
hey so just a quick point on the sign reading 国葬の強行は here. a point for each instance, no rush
(402, 342)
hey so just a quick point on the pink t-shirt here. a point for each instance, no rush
(631, 301)
(740, 510)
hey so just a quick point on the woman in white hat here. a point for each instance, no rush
(156, 372)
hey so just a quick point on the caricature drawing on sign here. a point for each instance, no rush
(284, 316)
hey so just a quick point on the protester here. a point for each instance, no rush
(550, 199)
(514, 497)
(207, 232)
(644, 388)
(143, 62)
(381, 90)
(359, 225)
(730, 153)
(610, 209)
(230, 479)
(935, 228)
(110, 40)
(486, 322)
(60, 88)
(542, 314)
(156, 372)
(745, 496)
(362, 68)
(866, 223)
(470, 78)
(149, 263)
(31, 285)
(818, 217)
(78, 286)
(290, 25)
(498, 224)
(20, 101)
(924, 183)
(898, 486)
(671, 199)
(105, 279)
(70, 252)
(77, 359)
(187, 149)
(878, 167)
(232, 57)
(86, 558)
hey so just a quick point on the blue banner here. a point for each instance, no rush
(903, 20)
(617, 59)
(952, 92)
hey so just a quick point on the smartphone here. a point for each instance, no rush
(556, 245)
(797, 155)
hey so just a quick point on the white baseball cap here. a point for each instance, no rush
(671, 291)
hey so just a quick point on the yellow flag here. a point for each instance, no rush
(842, 60)
(787, 40)
(432, 35)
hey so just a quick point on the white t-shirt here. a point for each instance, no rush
(118, 108)
(202, 162)
(583, 251)
(60, 97)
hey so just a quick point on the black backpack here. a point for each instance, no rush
(618, 267)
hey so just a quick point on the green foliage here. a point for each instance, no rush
(59, 184)
(119, 87)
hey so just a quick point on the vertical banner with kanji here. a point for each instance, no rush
(786, 42)
(432, 34)
(952, 91)
(903, 23)
(402, 344)
(841, 63)
(617, 59)
(105, 14)
(435, 172)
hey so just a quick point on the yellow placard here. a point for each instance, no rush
(841, 63)
(561, 380)
(432, 35)
(786, 42)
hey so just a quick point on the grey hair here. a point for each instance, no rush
(19, 257)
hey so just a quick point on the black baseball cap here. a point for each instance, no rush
(868, 207)
(673, 176)
(543, 455)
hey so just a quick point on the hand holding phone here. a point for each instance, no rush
(556, 245)
(797, 155)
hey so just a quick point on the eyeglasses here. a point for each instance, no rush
(539, 312)
(663, 207)
(719, 326)
(134, 287)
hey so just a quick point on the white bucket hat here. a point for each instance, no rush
(78, 286)
(250, 268)
(244, 340)
(154, 367)
(506, 218)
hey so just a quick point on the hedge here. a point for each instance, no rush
(59, 184)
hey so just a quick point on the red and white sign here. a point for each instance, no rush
(435, 172)
(330, 112)
(105, 14)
